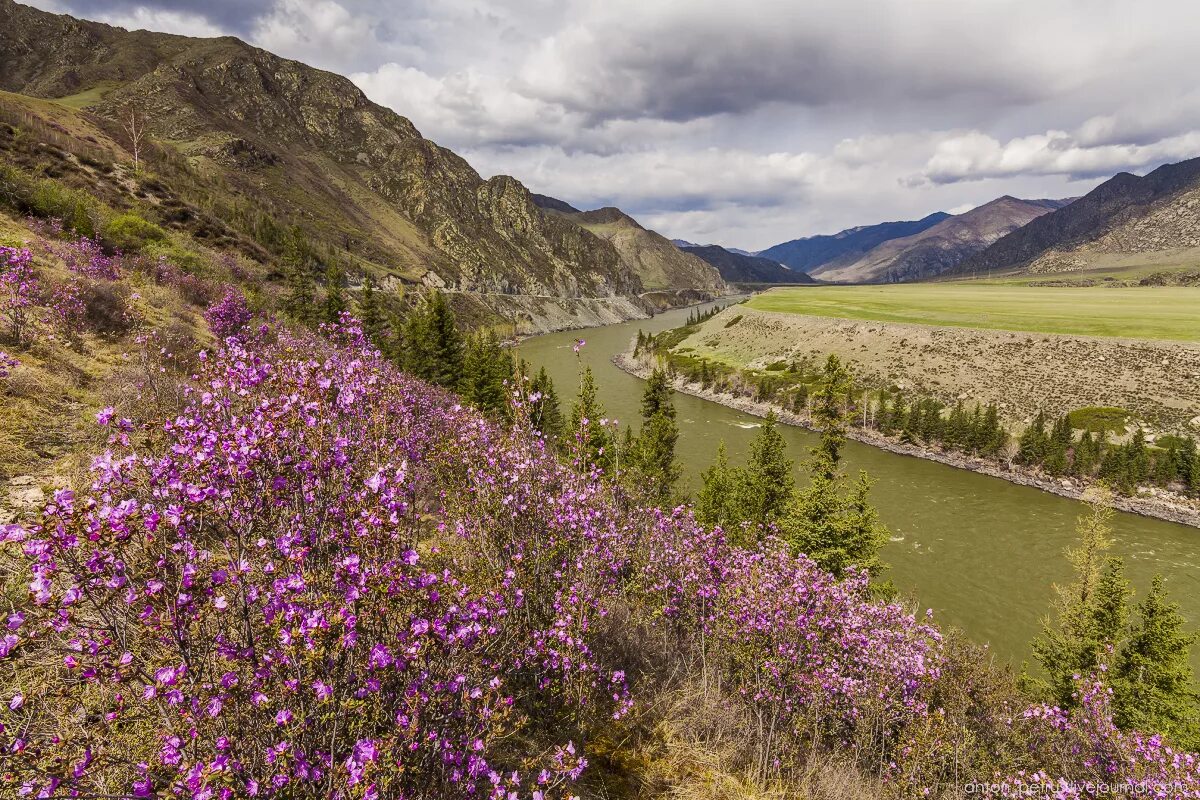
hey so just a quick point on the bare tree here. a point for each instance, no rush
(133, 122)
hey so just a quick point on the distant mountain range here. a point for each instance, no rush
(810, 253)
(1151, 221)
(939, 248)
(737, 266)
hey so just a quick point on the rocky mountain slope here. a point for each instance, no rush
(659, 264)
(1153, 220)
(940, 248)
(810, 253)
(305, 148)
(736, 267)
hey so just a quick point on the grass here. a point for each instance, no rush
(1100, 420)
(1130, 312)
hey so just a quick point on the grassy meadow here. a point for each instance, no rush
(1158, 312)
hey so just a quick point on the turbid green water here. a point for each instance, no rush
(981, 552)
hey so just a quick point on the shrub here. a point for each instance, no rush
(1099, 420)
(108, 308)
(131, 233)
(228, 316)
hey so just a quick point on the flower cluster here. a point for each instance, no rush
(228, 316)
(1095, 758)
(87, 257)
(7, 364)
(19, 290)
(68, 311)
(260, 604)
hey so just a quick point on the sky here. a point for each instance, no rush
(754, 122)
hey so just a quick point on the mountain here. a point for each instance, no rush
(736, 267)
(1153, 219)
(810, 253)
(654, 258)
(296, 148)
(940, 248)
(548, 203)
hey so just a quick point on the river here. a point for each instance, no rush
(981, 552)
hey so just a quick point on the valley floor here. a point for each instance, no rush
(1022, 372)
(1158, 504)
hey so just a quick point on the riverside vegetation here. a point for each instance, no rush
(301, 567)
(1087, 444)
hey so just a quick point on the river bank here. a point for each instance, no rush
(1158, 505)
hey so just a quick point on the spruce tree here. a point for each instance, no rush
(1034, 442)
(447, 343)
(1153, 689)
(371, 315)
(652, 467)
(334, 304)
(592, 441)
(418, 355)
(545, 412)
(716, 500)
(486, 371)
(1071, 644)
(769, 481)
(827, 413)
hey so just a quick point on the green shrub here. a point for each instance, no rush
(733, 321)
(777, 366)
(131, 233)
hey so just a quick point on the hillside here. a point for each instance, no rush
(1152, 220)
(938, 249)
(293, 146)
(738, 268)
(659, 264)
(810, 253)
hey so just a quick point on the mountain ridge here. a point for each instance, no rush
(736, 267)
(941, 247)
(810, 253)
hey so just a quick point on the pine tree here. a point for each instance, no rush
(1152, 681)
(300, 301)
(593, 443)
(545, 412)
(418, 355)
(769, 482)
(1058, 445)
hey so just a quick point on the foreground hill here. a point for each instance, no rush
(293, 146)
(737, 267)
(808, 254)
(1128, 220)
(939, 248)
(660, 265)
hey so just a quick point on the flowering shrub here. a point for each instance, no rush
(86, 257)
(1091, 757)
(7, 364)
(18, 292)
(229, 315)
(68, 309)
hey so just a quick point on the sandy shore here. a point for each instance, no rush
(1160, 506)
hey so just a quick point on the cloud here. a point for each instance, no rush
(754, 123)
(975, 156)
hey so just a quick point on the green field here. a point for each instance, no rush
(1168, 312)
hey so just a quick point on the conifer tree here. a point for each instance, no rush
(545, 411)
(593, 443)
(371, 315)
(768, 477)
(827, 413)
(487, 369)
(447, 343)
(1034, 441)
(716, 500)
(1152, 680)
(335, 294)
(1071, 644)
(652, 467)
